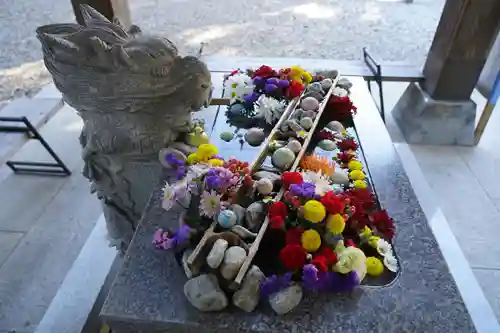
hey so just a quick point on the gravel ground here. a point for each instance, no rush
(338, 29)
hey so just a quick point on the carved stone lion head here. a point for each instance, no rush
(101, 66)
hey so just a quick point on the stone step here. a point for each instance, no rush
(38, 110)
(70, 308)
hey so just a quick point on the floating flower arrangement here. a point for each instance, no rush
(309, 223)
(263, 94)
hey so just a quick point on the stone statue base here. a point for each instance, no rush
(423, 120)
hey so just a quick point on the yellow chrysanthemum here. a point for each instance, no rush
(335, 223)
(360, 184)
(215, 162)
(357, 175)
(314, 211)
(192, 158)
(307, 77)
(374, 266)
(355, 165)
(373, 241)
(206, 151)
(311, 240)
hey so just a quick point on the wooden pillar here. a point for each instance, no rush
(110, 8)
(461, 45)
(439, 111)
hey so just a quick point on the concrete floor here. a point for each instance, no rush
(44, 222)
(337, 29)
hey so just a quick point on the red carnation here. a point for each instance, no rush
(320, 262)
(277, 208)
(341, 107)
(289, 178)
(347, 144)
(361, 198)
(333, 203)
(295, 89)
(383, 223)
(344, 157)
(326, 135)
(293, 236)
(329, 254)
(276, 222)
(264, 72)
(293, 257)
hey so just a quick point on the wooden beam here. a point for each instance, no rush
(112, 9)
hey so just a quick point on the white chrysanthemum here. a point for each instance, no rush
(168, 197)
(237, 86)
(321, 182)
(383, 247)
(210, 204)
(269, 108)
(391, 262)
(340, 92)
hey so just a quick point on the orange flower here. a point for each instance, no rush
(317, 163)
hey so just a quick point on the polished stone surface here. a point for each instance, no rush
(147, 294)
(423, 120)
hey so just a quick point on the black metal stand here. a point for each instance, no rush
(376, 70)
(39, 168)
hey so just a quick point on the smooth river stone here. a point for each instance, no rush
(239, 211)
(204, 293)
(309, 104)
(286, 300)
(248, 296)
(283, 158)
(327, 145)
(231, 264)
(294, 145)
(264, 186)
(344, 83)
(227, 136)
(255, 136)
(216, 255)
(255, 215)
(306, 123)
(336, 126)
(236, 109)
(340, 177)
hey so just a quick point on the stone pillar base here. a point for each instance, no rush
(423, 120)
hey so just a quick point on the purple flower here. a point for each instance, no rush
(274, 283)
(273, 81)
(270, 88)
(180, 172)
(258, 81)
(181, 235)
(213, 182)
(328, 281)
(225, 179)
(251, 98)
(305, 189)
(162, 239)
(283, 84)
(173, 160)
(310, 277)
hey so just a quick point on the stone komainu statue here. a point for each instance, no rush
(135, 94)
